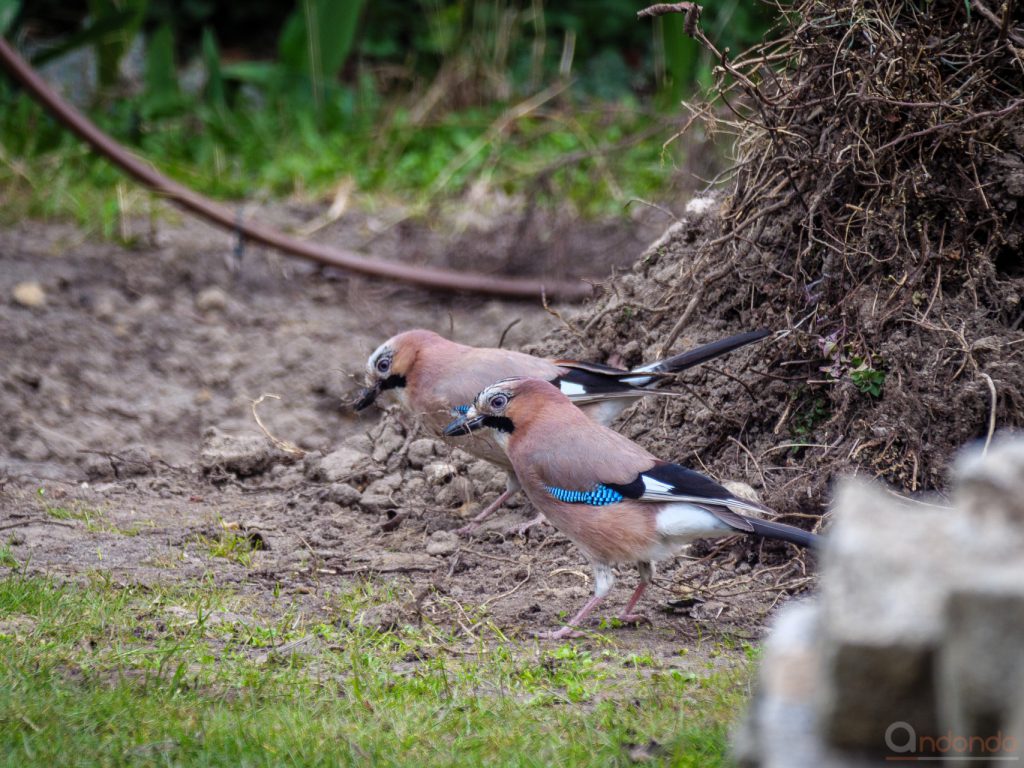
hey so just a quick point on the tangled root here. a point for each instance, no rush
(873, 209)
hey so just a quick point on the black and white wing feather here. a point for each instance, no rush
(673, 482)
(666, 482)
(593, 382)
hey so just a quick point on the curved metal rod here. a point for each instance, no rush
(427, 277)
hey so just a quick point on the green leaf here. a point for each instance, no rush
(112, 46)
(162, 92)
(317, 40)
(682, 56)
(8, 13)
(261, 73)
(215, 93)
(292, 46)
(336, 29)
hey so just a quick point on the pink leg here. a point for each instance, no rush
(490, 510)
(627, 617)
(567, 630)
(522, 528)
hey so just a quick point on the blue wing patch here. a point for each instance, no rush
(460, 410)
(597, 496)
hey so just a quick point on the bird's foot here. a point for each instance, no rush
(467, 530)
(558, 634)
(522, 528)
(633, 618)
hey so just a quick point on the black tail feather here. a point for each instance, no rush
(706, 352)
(772, 530)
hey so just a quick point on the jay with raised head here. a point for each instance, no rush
(614, 500)
(435, 379)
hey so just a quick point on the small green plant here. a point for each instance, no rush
(231, 545)
(7, 558)
(867, 379)
(863, 369)
(75, 512)
(809, 414)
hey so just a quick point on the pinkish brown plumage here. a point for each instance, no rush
(617, 502)
(430, 375)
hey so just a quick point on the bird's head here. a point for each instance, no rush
(504, 406)
(390, 365)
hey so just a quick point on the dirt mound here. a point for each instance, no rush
(873, 212)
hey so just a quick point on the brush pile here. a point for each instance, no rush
(874, 209)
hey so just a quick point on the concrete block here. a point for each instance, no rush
(884, 579)
(981, 661)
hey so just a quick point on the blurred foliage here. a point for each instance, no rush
(415, 99)
(402, 43)
(123, 19)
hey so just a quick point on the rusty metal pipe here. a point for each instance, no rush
(426, 277)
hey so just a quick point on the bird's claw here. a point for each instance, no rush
(634, 618)
(558, 634)
(522, 528)
(467, 530)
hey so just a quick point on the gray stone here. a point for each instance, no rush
(487, 478)
(456, 493)
(380, 494)
(342, 465)
(414, 488)
(361, 443)
(442, 543)
(343, 494)
(211, 300)
(440, 472)
(242, 455)
(421, 452)
(29, 294)
(96, 466)
(388, 442)
(132, 461)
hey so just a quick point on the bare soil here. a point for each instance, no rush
(128, 446)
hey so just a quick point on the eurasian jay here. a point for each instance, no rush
(435, 379)
(614, 500)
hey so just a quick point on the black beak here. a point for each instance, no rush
(464, 425)
(366, 397)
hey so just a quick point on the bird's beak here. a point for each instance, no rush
(464, 425)
(366, 397)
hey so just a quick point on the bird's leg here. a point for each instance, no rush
(646, 577)
(604, 577)
(511, 486)
(522, 528)
(471, 526)
(567, 630)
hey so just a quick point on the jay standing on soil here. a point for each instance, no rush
(614, 500)
(435, 379)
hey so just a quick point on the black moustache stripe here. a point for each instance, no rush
(500, 423)
(394, 381)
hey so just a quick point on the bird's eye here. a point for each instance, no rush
(383, 364)
(497, 402)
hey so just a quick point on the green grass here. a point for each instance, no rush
(98, 675)
(271, 152)
(95, 520)
(231, 545)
